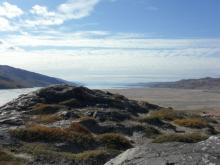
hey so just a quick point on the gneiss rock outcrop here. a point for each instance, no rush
(71, 125)
(202, 153)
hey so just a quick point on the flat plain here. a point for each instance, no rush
(179, 99)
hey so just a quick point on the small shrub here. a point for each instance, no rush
(114, 141)
(39, 132)
(47, 119)
(87, 119)
(152, 120)
(210, 120)
(77, 127)
(186, 138)
(151, 132)
(168, 114)
(191, 122)
(217, 130)
(41, 108)
(93, 154)
(89, 123)
(71, 103)
(7, 158)
(43, 133)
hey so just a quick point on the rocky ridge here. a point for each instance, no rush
(13, 78)
(72, 125)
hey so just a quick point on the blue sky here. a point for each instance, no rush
(77, 39)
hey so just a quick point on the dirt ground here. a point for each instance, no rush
(180, 99)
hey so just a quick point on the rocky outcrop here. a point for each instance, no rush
(55, 116)
(203, 153)
(73, 125)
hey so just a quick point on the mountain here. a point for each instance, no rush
(11, 78)
(203, 83)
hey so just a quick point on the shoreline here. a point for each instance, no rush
(179, 99)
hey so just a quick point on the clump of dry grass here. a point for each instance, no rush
(92, 154)
(153, 120)
(77, 127)
(7, 158)
(42, 108)
(192, 122)
(87, 119)
(186, 138)
(43, 133)
(168, 114)
(97, 156)
(89, 123)
(47, 119)
(71, 103)
(114, 141)
(151, 132)
(39, 132)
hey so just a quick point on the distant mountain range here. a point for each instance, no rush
(203, 83)
(11, 78)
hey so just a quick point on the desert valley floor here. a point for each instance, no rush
(179, 99)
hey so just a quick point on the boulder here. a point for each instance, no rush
(203, 153)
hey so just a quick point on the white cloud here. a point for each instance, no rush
(48, 50)
(43, 22)
(10, 11)
(56, 53)
(41, 11)
(72, 9)
(5, 25)
(75, 9)
(107, 40)
(111, 62)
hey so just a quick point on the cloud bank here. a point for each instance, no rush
(38, 39)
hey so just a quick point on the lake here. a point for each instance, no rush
(7, 95)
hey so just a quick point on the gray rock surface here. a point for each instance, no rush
(203, 153)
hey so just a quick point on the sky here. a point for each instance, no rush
(80, 40)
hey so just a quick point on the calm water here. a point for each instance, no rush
(96, 82)
(10, 94)
(122, 81)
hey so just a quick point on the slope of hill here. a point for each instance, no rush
(203, 83)
(71, 125)
(11, 78)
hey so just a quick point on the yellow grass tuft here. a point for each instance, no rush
(114, 141)
(191, 122)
